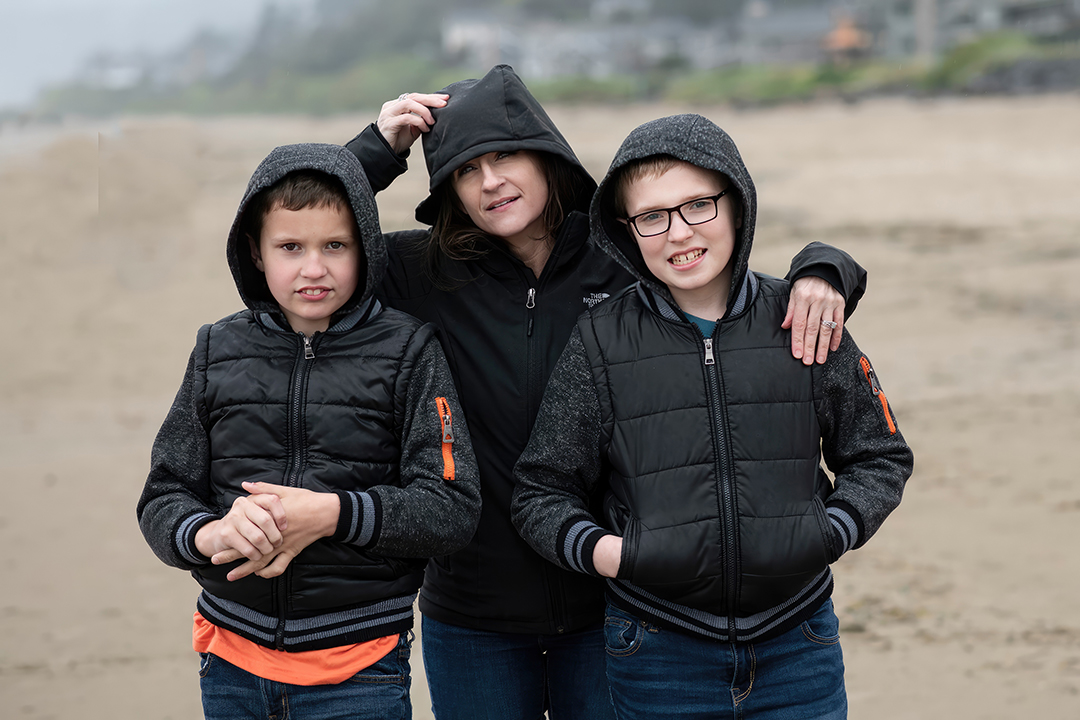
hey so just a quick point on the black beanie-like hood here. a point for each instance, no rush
(496, 112)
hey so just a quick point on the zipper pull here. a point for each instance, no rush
(447, 428)
(447, 438)
(875, 386)
(309, 354)
(709, 358)
(530, 302)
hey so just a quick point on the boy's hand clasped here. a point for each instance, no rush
(314, 515)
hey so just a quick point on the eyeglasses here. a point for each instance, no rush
(695, 212)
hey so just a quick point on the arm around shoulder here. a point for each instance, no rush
(835, 267)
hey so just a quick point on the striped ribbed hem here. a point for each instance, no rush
(844, 527)
(343, 627)
(185, 538)
(359, 519)
(577, 539)
(761, 626)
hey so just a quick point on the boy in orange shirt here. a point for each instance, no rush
(317, 401)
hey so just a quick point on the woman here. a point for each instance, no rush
(504, 271)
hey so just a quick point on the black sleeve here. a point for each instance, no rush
(835, 267)
(381, 164)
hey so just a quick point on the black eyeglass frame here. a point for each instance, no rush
(678, 208)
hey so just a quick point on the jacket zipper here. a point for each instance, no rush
(295, 468)
(534, 393)
(726, 495)
(530, 303)
(447, 421)
(871, 377)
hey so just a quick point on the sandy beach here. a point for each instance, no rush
(966, 214)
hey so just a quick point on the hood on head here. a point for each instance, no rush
(333, 160)
(496, 112)
(693, 139)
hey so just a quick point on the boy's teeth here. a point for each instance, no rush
(687, 257)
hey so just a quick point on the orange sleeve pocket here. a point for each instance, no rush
(871, 378)
(447, 437)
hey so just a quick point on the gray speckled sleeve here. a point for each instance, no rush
(434, 511)
(560, 468)
(861, 443)
(174, 501)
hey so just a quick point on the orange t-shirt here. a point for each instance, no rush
(311, 667)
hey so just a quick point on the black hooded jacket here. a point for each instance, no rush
(365, 410)
(708, 448)
(503, 330)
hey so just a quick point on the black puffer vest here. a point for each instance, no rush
(353, 378)
(730, 521)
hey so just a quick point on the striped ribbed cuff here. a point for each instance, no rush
(185, 538)
(577, 540)
(360, 518)
(845, 525)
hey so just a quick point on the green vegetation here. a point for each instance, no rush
(362, 58)
(967, 62)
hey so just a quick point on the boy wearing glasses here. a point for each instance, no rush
(677, 451)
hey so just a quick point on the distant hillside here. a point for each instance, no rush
(356, 54)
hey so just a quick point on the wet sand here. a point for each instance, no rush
(965, 213)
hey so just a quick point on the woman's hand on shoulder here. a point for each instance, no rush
(402, 119)
(815, 315)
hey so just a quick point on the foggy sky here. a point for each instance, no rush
(47, 41)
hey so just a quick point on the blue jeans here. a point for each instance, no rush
(378, 692)
(659, 673)
(478, 675)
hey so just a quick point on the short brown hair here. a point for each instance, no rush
(654, 165)
(298, 190)
(454, 236)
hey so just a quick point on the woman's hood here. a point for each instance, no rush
(333, 160)
(693, 139)
(496, 112)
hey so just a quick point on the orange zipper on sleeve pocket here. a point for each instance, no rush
(447, 437)
(871, 378)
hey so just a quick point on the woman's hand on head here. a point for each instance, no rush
(402, 119)
(815, 315)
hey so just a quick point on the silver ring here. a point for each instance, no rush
(403, 96)
(829, 324)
